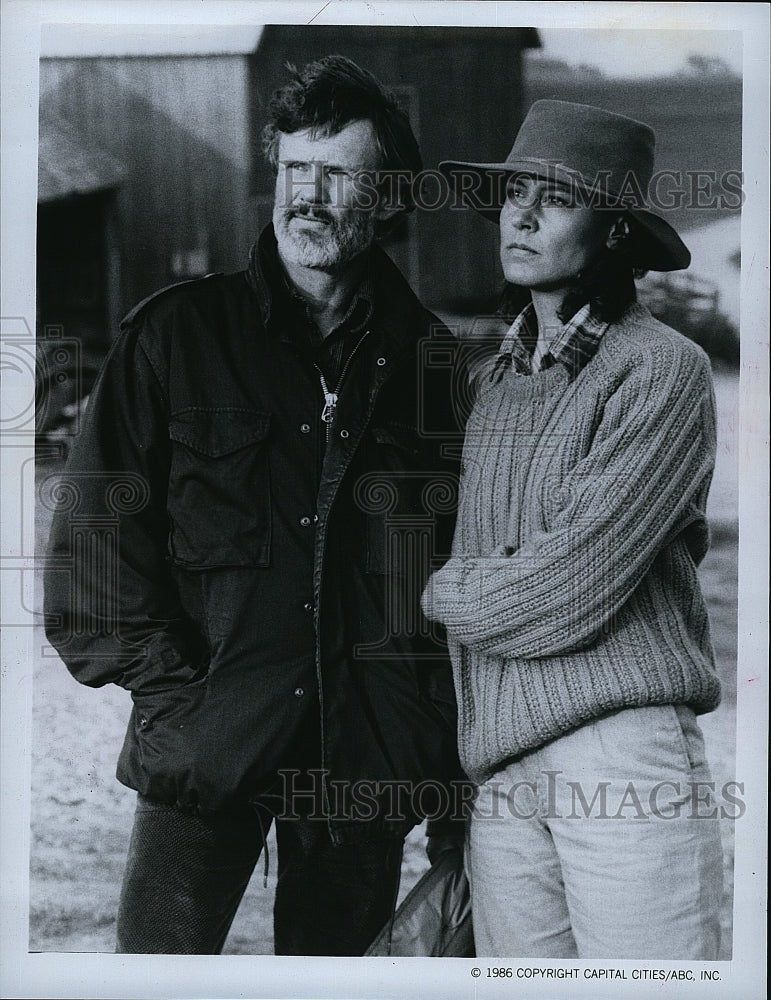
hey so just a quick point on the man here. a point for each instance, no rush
(258, 436)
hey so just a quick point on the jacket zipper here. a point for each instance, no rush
(331, 398)
(328, 415)
(318, 588)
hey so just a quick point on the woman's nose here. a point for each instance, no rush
(519, 216)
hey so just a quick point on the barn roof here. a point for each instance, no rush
(66, 166)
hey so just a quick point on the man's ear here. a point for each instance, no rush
(393, 195)
(386, 210)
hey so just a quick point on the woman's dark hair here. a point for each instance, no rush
(608, 284)
(329, 94)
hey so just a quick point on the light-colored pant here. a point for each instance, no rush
(602, 844)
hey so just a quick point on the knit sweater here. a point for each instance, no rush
(572, 588)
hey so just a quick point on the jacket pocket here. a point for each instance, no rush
(219, 488)
(436, 685)
(404, 439)
(390, 496)
(172, 744)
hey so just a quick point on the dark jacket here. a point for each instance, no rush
(168, 569)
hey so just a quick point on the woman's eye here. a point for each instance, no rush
(529, 196)
(560, 200)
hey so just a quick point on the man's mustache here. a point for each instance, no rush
(308, 212)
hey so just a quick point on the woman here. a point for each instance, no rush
(578, 632)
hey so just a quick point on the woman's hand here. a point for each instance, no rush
(441, 591)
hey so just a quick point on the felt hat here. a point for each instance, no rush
(606, 158)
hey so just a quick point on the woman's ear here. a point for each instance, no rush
(619, 231)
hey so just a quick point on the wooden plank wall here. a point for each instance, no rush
(181, 128)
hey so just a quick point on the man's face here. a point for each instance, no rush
(325, 211)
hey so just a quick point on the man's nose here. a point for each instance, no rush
(311, 188)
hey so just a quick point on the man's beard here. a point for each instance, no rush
(331, 246)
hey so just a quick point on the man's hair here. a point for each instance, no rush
(331, 93)
(608, 283)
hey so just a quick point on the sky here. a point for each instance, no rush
(626, 52)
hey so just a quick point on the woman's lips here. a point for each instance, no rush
(520, 249)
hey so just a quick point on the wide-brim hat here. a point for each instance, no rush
(606, 157)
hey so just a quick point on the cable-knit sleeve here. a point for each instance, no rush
(643, 480)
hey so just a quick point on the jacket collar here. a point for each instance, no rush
(269, 280)
(397, 311)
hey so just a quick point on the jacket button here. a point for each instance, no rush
(315, 518)
(381, 362)
(143, 721)
(308, 606)
(343, 434)
(305, 521)
(299, 692)
(305, 428)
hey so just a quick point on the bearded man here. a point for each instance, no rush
(275, 425)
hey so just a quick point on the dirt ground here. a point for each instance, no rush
(81, 816)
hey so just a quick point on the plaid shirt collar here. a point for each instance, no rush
(574, 344)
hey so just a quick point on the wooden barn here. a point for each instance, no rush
(151, 168)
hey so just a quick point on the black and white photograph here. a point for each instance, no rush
(384, 442)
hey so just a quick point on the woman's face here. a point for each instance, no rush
(546, 239)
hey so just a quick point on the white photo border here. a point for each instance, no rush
(90, 975)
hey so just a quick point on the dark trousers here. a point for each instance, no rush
(185, 877)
